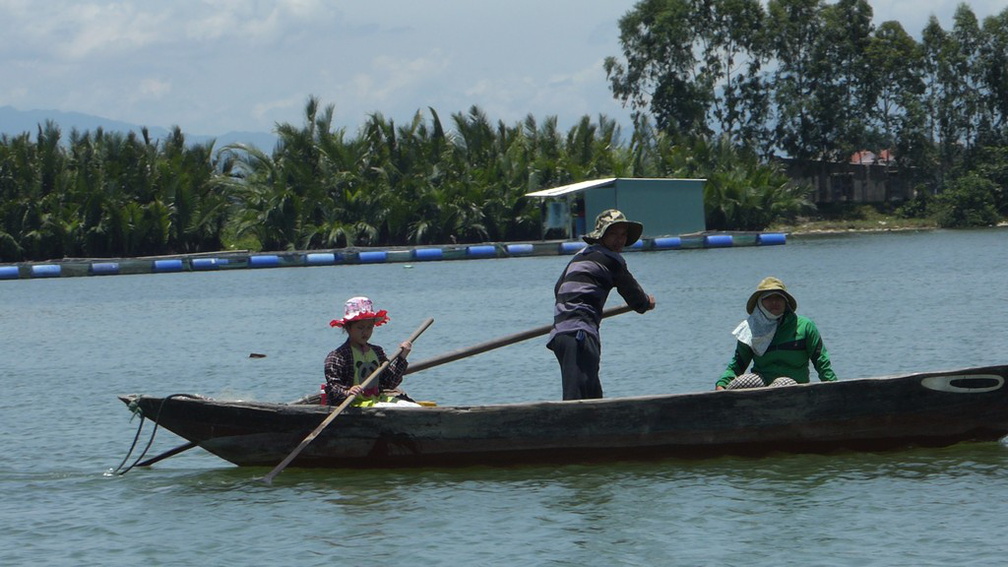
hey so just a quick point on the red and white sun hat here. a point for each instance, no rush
(359, 309)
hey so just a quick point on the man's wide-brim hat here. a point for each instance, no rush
(360, 309)
(612, 217)
(770, 286)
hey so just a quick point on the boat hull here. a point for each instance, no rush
(925, 409)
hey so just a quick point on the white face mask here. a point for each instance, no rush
(757, 331)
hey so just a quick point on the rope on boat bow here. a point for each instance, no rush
(134, 407)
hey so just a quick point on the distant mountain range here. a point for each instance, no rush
(14, 122)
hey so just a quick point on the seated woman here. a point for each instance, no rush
(779, 343)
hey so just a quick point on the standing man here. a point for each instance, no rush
(581, 294)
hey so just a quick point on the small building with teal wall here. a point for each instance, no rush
(667, 207)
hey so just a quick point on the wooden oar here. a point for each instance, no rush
(497, 343)
(268, 479)
(166, 454)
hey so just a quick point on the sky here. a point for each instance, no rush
(217, 66)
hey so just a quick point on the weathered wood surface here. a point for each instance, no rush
(925, 409)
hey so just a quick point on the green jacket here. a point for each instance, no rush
(795, 344)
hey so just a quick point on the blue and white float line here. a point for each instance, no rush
(350, 256)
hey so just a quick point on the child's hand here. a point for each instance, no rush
(354, 390)
(406, 347)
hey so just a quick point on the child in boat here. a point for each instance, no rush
(348, 366)
(777, 341)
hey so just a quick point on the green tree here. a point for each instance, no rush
(899, 115)
(660, 75)
(695, 67)
(994, 78)
(969, 202)
(968, 66)
(940, 95)
(734, 48)
(845, 82)
(741, 193)
(991, 163)
(795, 27)
(823, 80)
(284, 198)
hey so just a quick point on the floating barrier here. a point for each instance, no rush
(428, 254)
(718, 240)
(321, 259)
(572, 247)
(105, 268)
(770, 238)
(45, 271)
(520, 249)
(373, 257)
(242, 259)
(481, 251)
(668, 243)
(174, 265)
(399, 256)
(264, 261)
(207, 263)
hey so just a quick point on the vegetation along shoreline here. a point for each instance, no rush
(821, 87)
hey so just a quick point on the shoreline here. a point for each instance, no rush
(827, 229)
(810, 231)
(877, 223)
(872, 222)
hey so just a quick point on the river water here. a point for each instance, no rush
(885, 303)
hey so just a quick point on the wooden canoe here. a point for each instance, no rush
(884, 413)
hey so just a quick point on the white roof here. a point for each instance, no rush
(585, 185)
(572, 188)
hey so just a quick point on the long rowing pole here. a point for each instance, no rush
(497, 343)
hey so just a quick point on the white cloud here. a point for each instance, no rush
(86, 30)
(212, 66)
(389, 76)
(154, 88)
(264, 109)
(252, 22)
